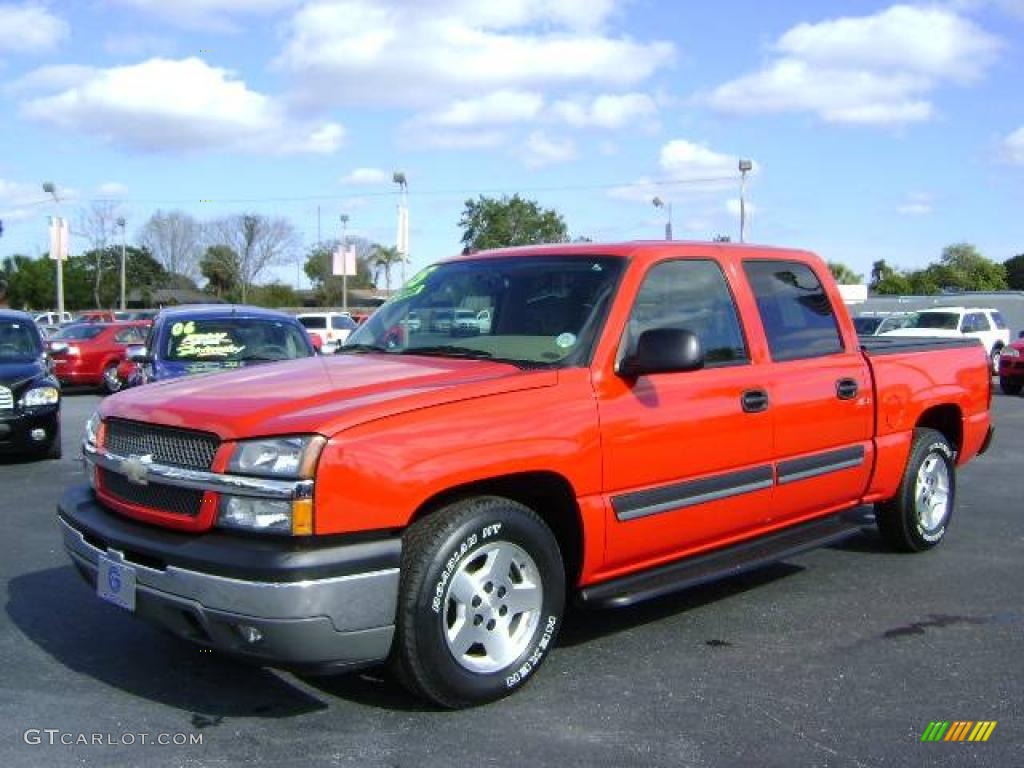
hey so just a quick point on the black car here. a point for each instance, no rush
(29, 393)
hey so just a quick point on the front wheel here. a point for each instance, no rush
(480, 601)
(111, 382)
(916, 519)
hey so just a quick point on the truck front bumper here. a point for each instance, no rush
(288, 603)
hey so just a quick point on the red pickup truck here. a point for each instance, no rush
(635, 419)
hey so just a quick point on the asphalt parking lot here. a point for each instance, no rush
(838, 657)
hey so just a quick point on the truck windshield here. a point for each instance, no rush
(18, 341)
(531, 311)
(945, 321)
(234, 339)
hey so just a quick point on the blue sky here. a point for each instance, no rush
(876, 130)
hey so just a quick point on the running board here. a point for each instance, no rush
(722, 563)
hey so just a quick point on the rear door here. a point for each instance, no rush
(819, 389)
(687, 463)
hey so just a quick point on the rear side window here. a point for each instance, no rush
(976, 322)
(795, 310)
(693, 295)
(997, 318)
(341, 323)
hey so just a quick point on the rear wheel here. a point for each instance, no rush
(111, 382)
(1010, 386)
(997, 352)
(480, 601)
(916, 519)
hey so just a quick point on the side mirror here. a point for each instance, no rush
(663, 350)
(138, 354)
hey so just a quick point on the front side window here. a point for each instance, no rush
(939, 321)
(997, 318)
(690, 295)
(128, 336)
(234, 339)
(976, 323)
(528, 310)
(795, 310)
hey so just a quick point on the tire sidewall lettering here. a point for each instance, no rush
(478, 535)
(519, 676)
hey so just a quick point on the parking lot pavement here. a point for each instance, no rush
(837, 657)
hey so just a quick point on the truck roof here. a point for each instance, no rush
(636, 248)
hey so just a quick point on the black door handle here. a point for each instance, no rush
(846, 389)
(754, 400)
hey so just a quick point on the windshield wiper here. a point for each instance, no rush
(448, 350)
(360, 348)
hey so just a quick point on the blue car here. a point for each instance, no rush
(190, 340)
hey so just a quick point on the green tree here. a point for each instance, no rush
(496, 223)
(275, 294)
(893, 283)
(844, 274)
(1015, 272)
(383, 259)
(220, 266)
(143, 273)
(879, 272)
(962, 266)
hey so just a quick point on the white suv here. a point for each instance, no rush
(332, 328)
(982, 323)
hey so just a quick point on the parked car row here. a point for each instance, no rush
(985, 324)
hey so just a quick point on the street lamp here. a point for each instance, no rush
(121, 223)
(402, 240)
(745, 167)
(57, 243)
(657, 202)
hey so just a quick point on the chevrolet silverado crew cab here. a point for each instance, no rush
(635, 419)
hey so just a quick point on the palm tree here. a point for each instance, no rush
(383, 258)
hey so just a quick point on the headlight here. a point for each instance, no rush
(284, 457)
(41, 396)
(264, 515)
(92, 429)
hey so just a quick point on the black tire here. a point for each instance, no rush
(111, 383)
(1010, 386)
(910, 524)
(454, 549)
(993, 357)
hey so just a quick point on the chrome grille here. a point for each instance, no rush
(167, 445)
(6, 399)
(165, 498)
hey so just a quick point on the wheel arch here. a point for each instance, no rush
(549, 494)
(946, 419)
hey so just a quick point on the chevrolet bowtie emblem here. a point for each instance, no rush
(136, 468)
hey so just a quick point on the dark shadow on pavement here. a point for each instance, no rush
(867, 541)
(56, 611)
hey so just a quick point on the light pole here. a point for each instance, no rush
(745, 166)
(344, 262)
(402, 241)
(121, 223)
(57, 243)
(659, 203)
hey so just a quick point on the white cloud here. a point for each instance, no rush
(732, 207)
(877, 69)
(13, 193)
(541, 150)
(607, 110)
(176, 105)
(30, 28)
(208, 15)
(917, 204)
(394, 52)
(366, 177)
(111, 189)
(686, 159)
(503, 106)
(1013, 147)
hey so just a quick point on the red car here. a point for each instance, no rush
(89, 353)
(1011, 367)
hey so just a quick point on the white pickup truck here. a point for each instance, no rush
(982, 323)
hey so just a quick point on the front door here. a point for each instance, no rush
(687, 455)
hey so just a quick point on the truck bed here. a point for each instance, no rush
(875, 346)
